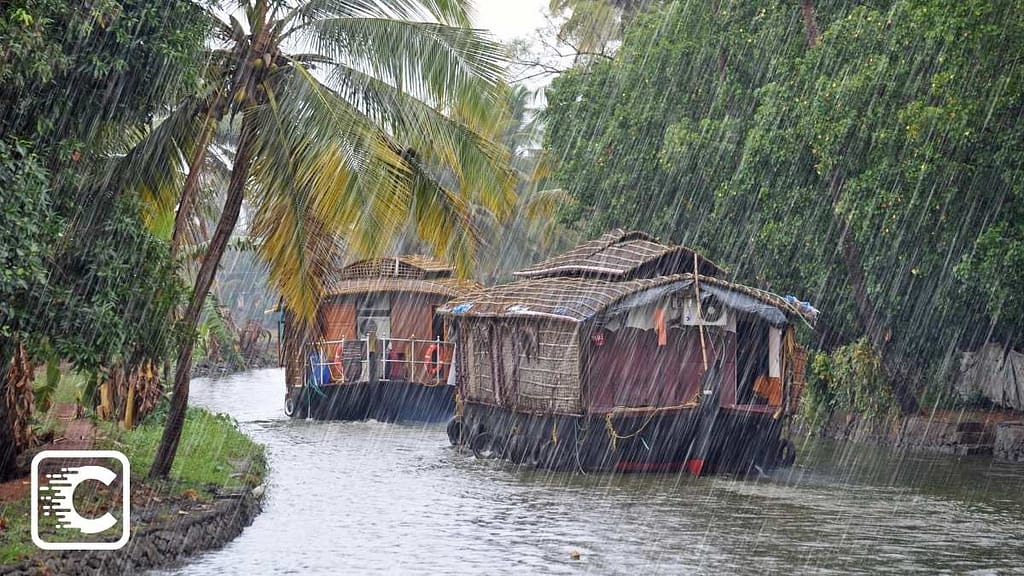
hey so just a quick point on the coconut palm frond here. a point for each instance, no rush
(438, 63)
(318, 162)
(440, 142)
(450, 12)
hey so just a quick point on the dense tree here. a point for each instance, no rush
(867, 156)
(80, 275)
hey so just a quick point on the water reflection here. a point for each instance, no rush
(368, 497)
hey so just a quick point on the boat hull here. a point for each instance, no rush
(737, 440)
(386, 401)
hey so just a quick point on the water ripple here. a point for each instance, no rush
(374, 498)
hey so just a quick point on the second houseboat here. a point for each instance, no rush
(625, 354)
(380, 349)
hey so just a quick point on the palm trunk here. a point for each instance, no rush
(179, 400)
(188, 192)
(214, 114)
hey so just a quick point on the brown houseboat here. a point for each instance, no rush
(626, 354)
(382, 351)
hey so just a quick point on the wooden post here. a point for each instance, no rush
(411, 360)
(700, 314)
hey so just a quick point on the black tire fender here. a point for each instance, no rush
(787, 453)
(296, 405)
(486, 446)
(456, 432)
(519, 450)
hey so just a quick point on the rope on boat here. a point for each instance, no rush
(651, 412)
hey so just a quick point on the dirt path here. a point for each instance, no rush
(73, 432)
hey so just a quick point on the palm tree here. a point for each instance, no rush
(349, 113)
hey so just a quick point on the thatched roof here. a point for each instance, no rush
(447, 287)
(410, 273)
(579, 299)
(410, 266)
(622, 255)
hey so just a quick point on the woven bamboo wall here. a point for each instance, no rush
(478, 384)
(522, 365)
(548, 379)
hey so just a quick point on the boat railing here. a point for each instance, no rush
(413, 359)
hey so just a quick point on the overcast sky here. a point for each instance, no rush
(508, 19)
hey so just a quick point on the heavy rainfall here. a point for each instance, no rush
(579, 286)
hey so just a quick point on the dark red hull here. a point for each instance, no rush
(737, 440)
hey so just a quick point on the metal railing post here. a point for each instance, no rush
(437, 360)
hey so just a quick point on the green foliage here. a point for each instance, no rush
(213, 451)
(113, 295)
(850, 379)
(900, 129)
(646, 140)
(72, 70)
(26, 231)
(995, 269)
(78, 276)
(217, 341)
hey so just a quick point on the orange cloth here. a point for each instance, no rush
(659, 326)
(770, 388)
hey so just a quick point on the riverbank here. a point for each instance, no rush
(215, 491)
(207, 368)
(958, 432)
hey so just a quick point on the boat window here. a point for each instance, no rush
(375, 316)
(438, 325)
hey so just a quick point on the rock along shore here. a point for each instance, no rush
(1000, 435)
(160, 543)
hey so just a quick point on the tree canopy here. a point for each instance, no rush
(868, 159)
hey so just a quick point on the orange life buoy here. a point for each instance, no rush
(336, 367)
(434, 359)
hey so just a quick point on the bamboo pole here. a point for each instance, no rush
(700, 314)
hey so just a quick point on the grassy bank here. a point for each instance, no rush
(214, 457)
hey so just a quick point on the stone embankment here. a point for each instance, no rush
(162, 542)
(1009, 442)
(998, 434)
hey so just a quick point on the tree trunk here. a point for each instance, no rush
(868, 315)
(214, 114)
(188, 191)
(7, 447)
(810, 26)
(879, 335)
(218, 243)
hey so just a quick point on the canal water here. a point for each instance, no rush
(369, 497)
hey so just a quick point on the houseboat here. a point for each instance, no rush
(378, 348)
(625, 354)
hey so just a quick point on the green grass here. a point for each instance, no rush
(15, 542)
(213, 452)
